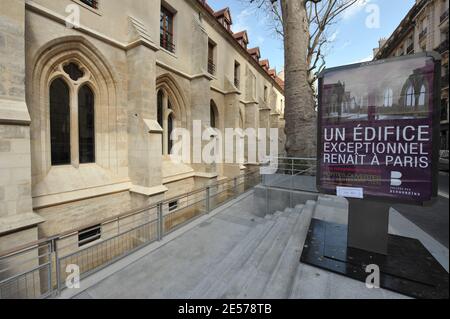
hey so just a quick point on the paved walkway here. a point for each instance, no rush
(195, 259)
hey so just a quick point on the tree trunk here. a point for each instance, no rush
(300, 112)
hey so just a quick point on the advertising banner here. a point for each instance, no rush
(377, 129)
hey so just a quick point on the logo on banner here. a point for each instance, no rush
(396, 179)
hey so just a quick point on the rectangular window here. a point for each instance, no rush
(173, 206)
(211, 59)
(237, 74)
(166, 30)
(266, 92)
(89, 235)
(91, 3)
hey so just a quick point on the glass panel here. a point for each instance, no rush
(73, 71)
(212, 116)
(60, 122)
(86, 123)
(159, 115)
(169, 133)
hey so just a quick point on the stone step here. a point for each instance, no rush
(277, 235)
(233, 260)
(306, 276)
(224, 280)
(280, 282)
(258, 280)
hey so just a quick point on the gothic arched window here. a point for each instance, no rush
(60, 122)
(213, 115)
(166, 117)
(68, 112)
(86, 125)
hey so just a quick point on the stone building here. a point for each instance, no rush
(425, 28)
(87, 109)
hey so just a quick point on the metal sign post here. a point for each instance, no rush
(368, 225)
(378, 144)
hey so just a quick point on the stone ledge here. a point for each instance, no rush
(206, 175)
(148, 191)
(63, 198)
(18, 222)
(14, 112)
(178, 177)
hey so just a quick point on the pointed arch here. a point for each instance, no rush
(53, 60)
(59, 96)
(241, 119)
(169, 86)
(214, 114)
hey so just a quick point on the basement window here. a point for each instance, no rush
(91, 3)
(89, 235)
(173, 206)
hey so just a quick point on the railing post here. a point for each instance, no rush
(160, 221)
(57, 266)
(208, 194)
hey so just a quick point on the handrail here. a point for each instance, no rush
(38, 243)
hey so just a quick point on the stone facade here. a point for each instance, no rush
(118, 49)
(425, 28)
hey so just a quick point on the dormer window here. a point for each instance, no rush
(255, 53)
(224, 17)
(242, 38)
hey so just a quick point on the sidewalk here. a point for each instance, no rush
(175, 269)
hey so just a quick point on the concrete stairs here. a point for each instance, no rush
(265, 263)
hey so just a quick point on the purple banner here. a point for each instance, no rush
(376, 129)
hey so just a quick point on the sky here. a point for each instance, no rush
(354, 35)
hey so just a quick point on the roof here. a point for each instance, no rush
(265, 64)
(241, 35)
(225, 12)
(401, 31)
(272, 73)
(255, 51)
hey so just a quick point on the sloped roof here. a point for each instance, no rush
(225, 12)
(265, 64)
(241, 35)
(255, 51)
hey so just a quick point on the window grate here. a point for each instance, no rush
(89, 235)
(91, 3)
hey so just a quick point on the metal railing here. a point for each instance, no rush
(423, 33)
(167, 45)
(211, 67)
(442, 47)
(444, 80)
(292, 173)
(40, 269)
(237, 83)
(410, 49)
(444, 16)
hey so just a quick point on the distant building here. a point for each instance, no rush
(425, 28)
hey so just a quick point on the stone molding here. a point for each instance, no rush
(14, 112)
(148, 191)
(15, 223)
(43, 11)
